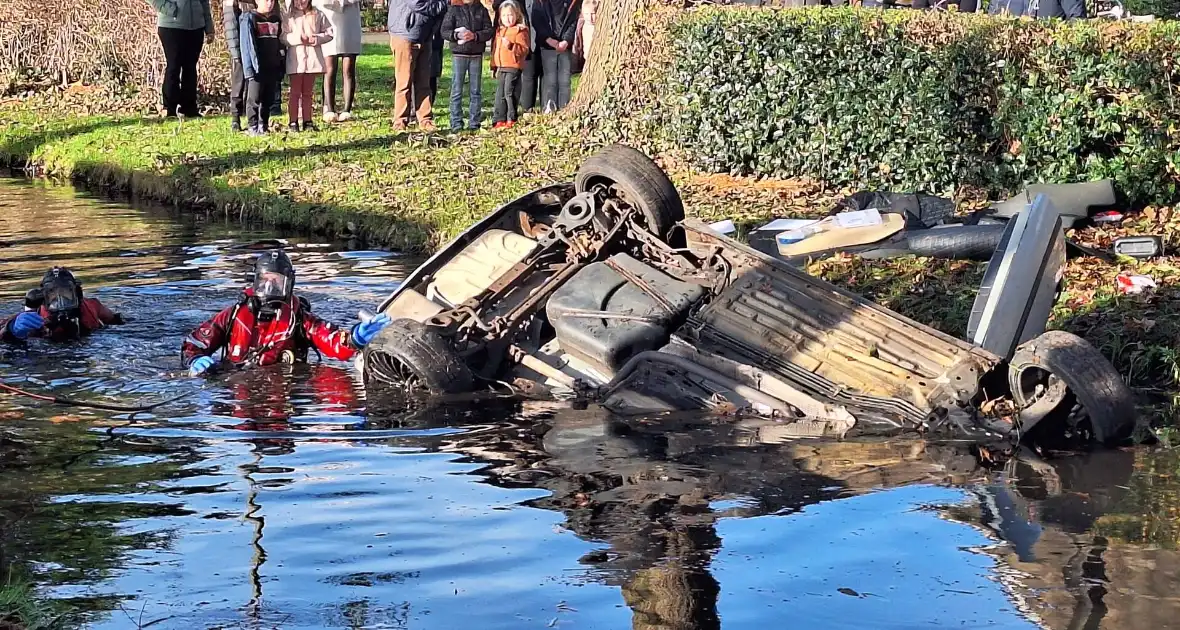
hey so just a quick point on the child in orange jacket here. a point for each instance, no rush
(510, 47)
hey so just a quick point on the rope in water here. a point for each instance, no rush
(62, 400)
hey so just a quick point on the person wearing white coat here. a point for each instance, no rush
(340, 54)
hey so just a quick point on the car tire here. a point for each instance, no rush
(1081, 387)
(408, 354)
(638, 180)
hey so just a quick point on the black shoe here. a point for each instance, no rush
(236, 126)
(294, 127)
(309, 126)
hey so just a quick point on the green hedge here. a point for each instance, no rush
(928, 101)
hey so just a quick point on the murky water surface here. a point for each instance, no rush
(281, 498)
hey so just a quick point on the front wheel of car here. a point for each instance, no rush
(1061, 383)
(633, 178)
(407, 354)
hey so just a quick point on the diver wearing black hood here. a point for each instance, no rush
(58, 310)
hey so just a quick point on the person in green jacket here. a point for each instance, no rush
(184, 26)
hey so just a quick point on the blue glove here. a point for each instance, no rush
(201, 365)
(364, 332)
(26, 324)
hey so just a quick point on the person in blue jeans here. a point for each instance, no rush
(469, 28)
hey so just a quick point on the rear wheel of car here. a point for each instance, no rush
(1062, 383)
(407, 354)
(635, 179)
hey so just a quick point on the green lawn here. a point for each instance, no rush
(403, 190)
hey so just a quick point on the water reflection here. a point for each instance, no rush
(284, 497)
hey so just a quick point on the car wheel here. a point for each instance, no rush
(1061, 380)
(407, 354)
(636, 180)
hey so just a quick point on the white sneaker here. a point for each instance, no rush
(344, 116)
(330, 117)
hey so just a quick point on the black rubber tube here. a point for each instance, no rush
(969, 242)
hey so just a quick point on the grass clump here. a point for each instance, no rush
(22, 609)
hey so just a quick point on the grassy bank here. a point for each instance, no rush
(401, 190)
(412, 191)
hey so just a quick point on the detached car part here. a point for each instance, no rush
(603, 288)
(1073, 201)
(1139, 246)
(1022, 281)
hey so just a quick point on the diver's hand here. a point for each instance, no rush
(26, 324)
(201, 365)
(364, 332)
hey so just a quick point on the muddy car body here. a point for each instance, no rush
(603, 288)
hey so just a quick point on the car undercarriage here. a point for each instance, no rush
(601, 290)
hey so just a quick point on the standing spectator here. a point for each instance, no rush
(510, 48)
(1067, 9)
(436, 64)
(262, 60)
(340, 55)
(469, 29)
(530, 77)
(555, 23)
(411, 24)
(585, 36)
(183, 26)
(305, 31)
(231, 12)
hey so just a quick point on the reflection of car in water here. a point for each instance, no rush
(1070, 574)
(602, 287)
(653, 492)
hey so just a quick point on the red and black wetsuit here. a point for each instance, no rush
(94, 315)
(243, 338)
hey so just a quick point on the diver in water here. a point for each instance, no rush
(270, 324)
(57, 310)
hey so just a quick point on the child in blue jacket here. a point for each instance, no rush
(262, 62)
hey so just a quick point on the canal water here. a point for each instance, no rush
(283, 498)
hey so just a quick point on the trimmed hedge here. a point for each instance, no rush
(927, 101)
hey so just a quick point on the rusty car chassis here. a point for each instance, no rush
(601, 289)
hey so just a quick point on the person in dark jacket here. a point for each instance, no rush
(411, 24)
(262, 62)
(555, 24)
(1068, 9)
(57, 310)
(183, 26)
(468, 27)
(231, 12)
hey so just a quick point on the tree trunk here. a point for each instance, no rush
(613, 49)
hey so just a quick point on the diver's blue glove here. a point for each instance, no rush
(200, 365)
(364, 332)
(26, 324)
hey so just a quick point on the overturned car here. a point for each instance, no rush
(602, 288)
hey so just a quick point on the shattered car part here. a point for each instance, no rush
(604, 291)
